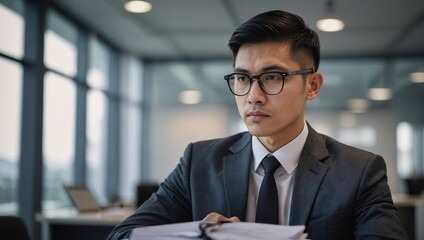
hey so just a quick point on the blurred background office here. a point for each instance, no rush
(92, 94)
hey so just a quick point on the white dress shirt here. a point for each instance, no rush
(288, 156)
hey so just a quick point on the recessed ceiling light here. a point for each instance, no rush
(380, 94)
(330, 25)
(417, 77)
(137, 6)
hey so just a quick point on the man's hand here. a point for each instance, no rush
(213, 216)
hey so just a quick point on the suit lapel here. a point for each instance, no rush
(309, 175)
(236, 176)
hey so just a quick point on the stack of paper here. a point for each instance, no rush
(219, 231)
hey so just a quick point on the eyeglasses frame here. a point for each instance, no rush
(257, 77)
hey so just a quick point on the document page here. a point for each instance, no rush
(219, 231)
(187, 230)
(256, 231)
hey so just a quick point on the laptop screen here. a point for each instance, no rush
(83, 199)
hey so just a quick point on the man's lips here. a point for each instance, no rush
(256, 115)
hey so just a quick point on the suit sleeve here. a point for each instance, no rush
(375, 215)
(170, 204)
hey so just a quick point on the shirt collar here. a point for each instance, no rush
(288, 155)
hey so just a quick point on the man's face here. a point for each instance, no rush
(274, 119)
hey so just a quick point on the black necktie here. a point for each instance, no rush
(267, 208)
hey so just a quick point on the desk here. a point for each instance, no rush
(69, 224)
(411, 214)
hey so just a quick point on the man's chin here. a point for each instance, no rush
(257, 132)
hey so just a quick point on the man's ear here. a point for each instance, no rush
(315, 81)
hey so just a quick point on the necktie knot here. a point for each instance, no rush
(270, 164)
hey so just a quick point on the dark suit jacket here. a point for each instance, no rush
(339, 192)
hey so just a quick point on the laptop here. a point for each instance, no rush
(83, 199)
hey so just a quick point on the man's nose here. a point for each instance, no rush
(256, 94)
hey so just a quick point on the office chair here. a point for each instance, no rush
(12, 227)
(144, 191)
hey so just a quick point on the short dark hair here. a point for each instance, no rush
(279, 25)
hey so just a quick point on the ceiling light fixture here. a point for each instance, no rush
(417, 77)
(137, 6)
(381, 90)
(380, 94)
(330, 23)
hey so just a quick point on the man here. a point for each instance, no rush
(336, 191)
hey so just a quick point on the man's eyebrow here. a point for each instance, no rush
(265, 69)
(274, 68)
(240, 70)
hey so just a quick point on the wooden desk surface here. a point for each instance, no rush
(109, 217)
(406, 200)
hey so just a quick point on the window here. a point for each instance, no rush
(60, 56)
(12, 28)
(97, 76)
(130, 154)
(60, 52)
(96, 143)
(405, 164)
(97, 118)
(58, 138)
(130, 127)
(10, 119)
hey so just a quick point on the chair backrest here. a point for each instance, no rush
(415, 186)
(144, 191)
(12, 227)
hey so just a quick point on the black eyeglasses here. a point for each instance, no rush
(271, 83)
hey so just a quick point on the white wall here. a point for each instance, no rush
(173, 128)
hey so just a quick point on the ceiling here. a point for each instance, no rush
(201, 28)
(382, 39)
